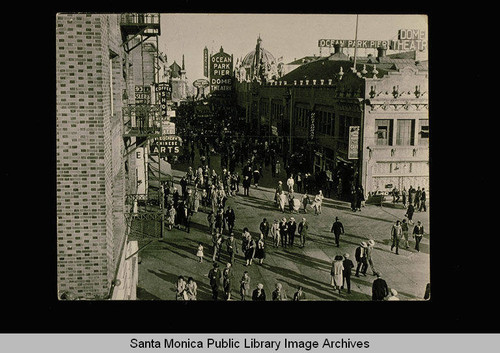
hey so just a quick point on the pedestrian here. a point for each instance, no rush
(187, 219)
(418, 193)
(318, 200)
(292, 227)
(360, 198)
(217, 243)
(227, 282)
(409, 213)
(260, 253)
(264, 228)
(299, 294)
(354, 198)
(379, 289)
(196, 198)
(423, 198)
(418, 233)
(277, 167)
(282, 201)
(211, 222)
(250, 250)
(303, 231)
(231, 247)
(258, 293)
(244, 285)
(305, 201)
(404, 229)
(275, 233)
(337, 273)
(199, 253)
(284, 232)
(299, 182)
(393, 295)
(256, 177)
(346, 273)
(369, 257)
(246, 185)
(361, 260)
(337, 230)
(404, 195)
(191, 289)
(277, 194)
(180, 293)
(290, 183)
(279, 293)
(411, 195)
(396, 234)
(229, 219)
(171, 217)
(219, 220)
(215, 277)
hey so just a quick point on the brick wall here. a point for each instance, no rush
(90, 172)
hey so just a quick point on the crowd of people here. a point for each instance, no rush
(203, 189)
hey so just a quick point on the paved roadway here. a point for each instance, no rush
(162, 261)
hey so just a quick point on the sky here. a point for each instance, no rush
(291, 36)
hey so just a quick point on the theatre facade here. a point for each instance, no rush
(366, 122)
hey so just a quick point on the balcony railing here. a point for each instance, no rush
(142, 120)
(132, 23)
(137, 19)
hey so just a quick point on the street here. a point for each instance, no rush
(163, 260)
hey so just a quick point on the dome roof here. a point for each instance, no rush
(249, 59)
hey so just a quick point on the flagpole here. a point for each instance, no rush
(355, 43)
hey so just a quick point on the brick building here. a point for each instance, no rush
(94, 80)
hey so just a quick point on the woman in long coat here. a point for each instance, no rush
(337, 272)
(283, 200)
(259, 251)
(250, 250)
(196, 198)
(171, 217)
(227, 281)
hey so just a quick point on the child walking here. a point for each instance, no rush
(199, 253)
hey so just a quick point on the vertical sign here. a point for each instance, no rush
(205, 62)
(312, 127)
(353, 149)
(221, 72)
(142, 94)
(162, 94)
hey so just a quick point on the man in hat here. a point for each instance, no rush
(369, 259)
(337, 229)
(279, 189)
(418, 233)
(215, 276)
(275, 233)
(231, 247)
(348, 266)
(264, 227)
(229, 217)
(283, 232)
(303, 229)
(396, 234)
(380, 290)
(292, 227)
(360, 256)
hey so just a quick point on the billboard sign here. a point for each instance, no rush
(221, 72)
(353, 150)
(205, 62)
(164, 91)
(142, 94)
(168, 128)
(166, 145)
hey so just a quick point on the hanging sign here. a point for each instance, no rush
(353, 149)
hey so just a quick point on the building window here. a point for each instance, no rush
(383, 132)
(406, 132)
(424, 132)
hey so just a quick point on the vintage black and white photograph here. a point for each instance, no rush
(242, 157)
